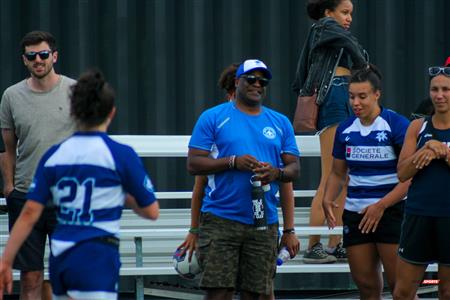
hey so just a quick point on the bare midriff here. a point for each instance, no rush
(341, 71)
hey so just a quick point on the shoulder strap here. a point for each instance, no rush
(428, 128)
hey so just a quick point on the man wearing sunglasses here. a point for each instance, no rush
(34, 114)
(234, 143)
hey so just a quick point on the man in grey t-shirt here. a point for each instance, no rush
(34, 114)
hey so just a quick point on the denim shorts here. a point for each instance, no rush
(335, 107)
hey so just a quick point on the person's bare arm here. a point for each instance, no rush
(268, 173)
(200, 163)
(148, 212)
(411, 159)
(31, 212)
(289, 238)
(8, 160)
(333, 187)
(190, 242)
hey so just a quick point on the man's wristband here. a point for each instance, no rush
(194, 230)
(280, 174)
(289, 230)
(231, 162)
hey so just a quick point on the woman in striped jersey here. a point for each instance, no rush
(366, 148)
(89, 178)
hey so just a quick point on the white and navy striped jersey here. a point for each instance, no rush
(87, 177)
(371, 153)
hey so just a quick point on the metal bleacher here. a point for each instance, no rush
(147, 246)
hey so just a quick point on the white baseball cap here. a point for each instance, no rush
(252, 65)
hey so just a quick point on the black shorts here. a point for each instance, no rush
(425, 240)
(388, 230)
(31, 255)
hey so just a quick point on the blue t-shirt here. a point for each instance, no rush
(224, 131)
(87, 177)
(371, 153)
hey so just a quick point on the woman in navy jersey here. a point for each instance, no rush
(88, 177)
(425, 158)
(366, 148)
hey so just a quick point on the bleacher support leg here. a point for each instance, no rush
(139, 263)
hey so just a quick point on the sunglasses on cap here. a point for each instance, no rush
(434, 71)
(44, 54)
(251, 79)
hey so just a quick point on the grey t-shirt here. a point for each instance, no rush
(39, 120)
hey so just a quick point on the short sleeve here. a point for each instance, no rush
(5, 113)
(203, 134)
(39, 189)
(289, 145)
(339, 145)
(400, 126)
(136, 181)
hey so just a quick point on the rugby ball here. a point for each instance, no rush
(182, 265)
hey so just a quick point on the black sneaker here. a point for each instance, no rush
(316, 255)
(340, 253)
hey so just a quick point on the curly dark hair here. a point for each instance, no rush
(92, 99)
(226, 78)
(316, 8)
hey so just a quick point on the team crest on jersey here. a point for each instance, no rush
(148, 184)
(269, 133)
(381, 136)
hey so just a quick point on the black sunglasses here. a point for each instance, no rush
(251, 79)
(434, 71)
(44, 54)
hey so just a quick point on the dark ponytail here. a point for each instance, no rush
(92, 99)
(369, 73)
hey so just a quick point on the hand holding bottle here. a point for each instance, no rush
(283, 256)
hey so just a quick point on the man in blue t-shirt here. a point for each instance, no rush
(231, 143)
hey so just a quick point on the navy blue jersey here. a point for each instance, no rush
(371, 153)
(87, 177)
(429, 193)
(224, 131)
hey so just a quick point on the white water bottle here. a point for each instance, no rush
(283, 256)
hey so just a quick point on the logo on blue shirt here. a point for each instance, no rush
(148, 184)
(32, 185)
(269, 133)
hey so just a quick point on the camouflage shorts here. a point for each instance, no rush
(235, 255)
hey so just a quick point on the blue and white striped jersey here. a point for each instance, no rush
(87, 177)
(371, 153)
